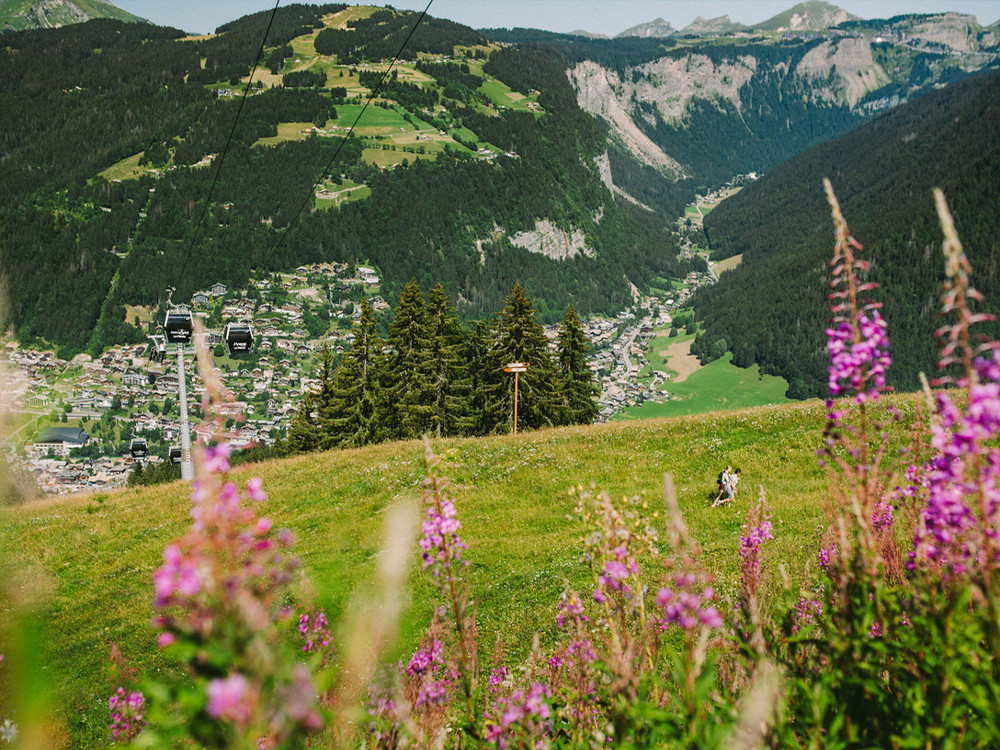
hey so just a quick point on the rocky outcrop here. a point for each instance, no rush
(553, 242)
(603, 164)
(954, 31)
(856, 69)
(601, 92)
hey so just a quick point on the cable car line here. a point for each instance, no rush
(277, 246)
(225, 150)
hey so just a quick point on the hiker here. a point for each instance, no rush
(722, 480)
(728, 493)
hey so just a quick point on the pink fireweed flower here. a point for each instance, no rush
(856, 363)
(127, 714)
(688, 609)
(217, 458)
(255, 489)
(807, 612)
(523, 718)
(881, 518)
(441, 545)
(230, 698)
(428, 670)
(316, 636)
(827, 555)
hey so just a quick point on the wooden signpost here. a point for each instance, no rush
(517, 368)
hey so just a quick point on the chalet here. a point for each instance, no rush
(200, 298)
(217, 290)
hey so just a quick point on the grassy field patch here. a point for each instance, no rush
(126, 169)
(717, 385)
(726, 265)
(287, 131)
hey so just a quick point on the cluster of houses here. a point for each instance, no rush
(267, 388)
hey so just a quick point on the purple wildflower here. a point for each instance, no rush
(128, 717)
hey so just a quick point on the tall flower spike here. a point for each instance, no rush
(858, 347)
(957, 532)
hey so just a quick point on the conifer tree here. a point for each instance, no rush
(307, 431)
(577, 391)
(409, 386)
(449, 373)
(518, 337)
(483, 404)
(357, 405)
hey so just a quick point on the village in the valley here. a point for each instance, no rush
(70, 424)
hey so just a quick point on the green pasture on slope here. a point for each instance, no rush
(374, 121)
(719, 385)
(84, 564)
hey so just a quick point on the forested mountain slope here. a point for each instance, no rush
(123, 173)
(772, 310)
(109, 136)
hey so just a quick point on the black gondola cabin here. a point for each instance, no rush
(177, 326)
(174, 454)
(138, 448)
(238, 337)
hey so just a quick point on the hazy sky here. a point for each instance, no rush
(600, 16)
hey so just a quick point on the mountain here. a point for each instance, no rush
(589, 34)
(18, 15)
(481, 154)
(812, 15)
(112, 134)
(652, 29)
(771, 309)
(712, 27)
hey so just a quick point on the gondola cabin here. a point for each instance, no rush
(138, 448)
(178, 326)
(157, 349)
(174, 454)
(238, 337)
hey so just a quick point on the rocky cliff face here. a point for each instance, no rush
(641, 104)
(601, 92)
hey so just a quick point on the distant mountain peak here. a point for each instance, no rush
(811, 15)
(20, 15)
(720, 25)
(589, 34)
(649, 30)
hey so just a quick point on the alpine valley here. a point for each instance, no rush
(131, 160)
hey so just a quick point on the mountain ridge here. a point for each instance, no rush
(20, 15)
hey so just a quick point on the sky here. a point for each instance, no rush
(607, 17)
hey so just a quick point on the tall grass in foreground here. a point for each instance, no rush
(893, 645)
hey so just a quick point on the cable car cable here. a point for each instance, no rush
(277, 246)
(225, 150)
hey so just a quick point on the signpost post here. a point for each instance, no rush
(517, 368)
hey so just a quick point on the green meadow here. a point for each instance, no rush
(84, 564)
(716, 386)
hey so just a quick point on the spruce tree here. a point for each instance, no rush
(577, 391)
(409, 386)
(449, 373)
(519, 337)
(308, 430)
(357, 405)
(483, 404)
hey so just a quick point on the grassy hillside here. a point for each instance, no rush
(87, 561)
